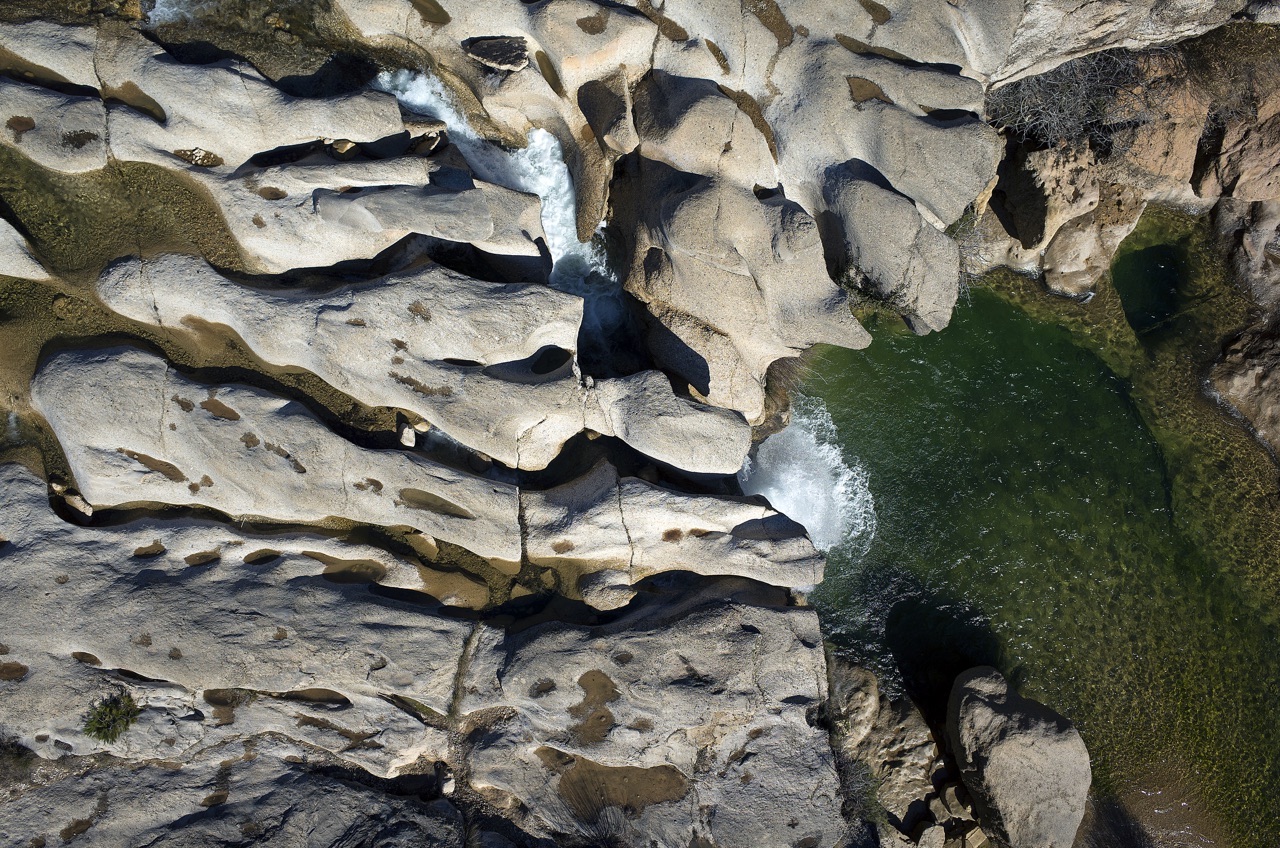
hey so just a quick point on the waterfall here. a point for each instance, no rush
(539, 168)
(806, 476)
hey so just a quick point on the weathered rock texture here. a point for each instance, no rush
(1025, 766)
(285, 647)
(548, 605)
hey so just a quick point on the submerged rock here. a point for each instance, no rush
(1025, 766)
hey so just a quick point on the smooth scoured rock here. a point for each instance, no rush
(266, 793)
(734, 283)
(16, 259)
(1025, 766)
(135, 431)
(888, 248)
(599, 521)
(211, 630)
(692, 716)
(466, 355)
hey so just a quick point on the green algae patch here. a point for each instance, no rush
(1056, 494)
(77, 223)
(1160, 321)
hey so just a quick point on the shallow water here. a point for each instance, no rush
(1024, 516)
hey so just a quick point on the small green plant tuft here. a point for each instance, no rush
(111, 716)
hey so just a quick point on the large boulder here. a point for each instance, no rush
(1251, 234)
(1247, 161)
(887, 248)
(733, 281)
(1025, 766)
(1248, 378)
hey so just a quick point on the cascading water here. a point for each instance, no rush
(178, 11)
(804, 474)
(539, 168)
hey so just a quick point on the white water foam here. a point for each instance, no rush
(178, 11)
(805, 475)
(538, 168)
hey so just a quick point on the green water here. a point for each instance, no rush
(1027, 518)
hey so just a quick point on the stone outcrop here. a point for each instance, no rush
(1024, 765)
(548, 616)
(694, 716)
(137, 432)
(263, 793)
(490, 364)
(667, 718)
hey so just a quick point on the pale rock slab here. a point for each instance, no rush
(134, 431)
(198, 607)
(460, 352)
(16, 259)
(317, 214)
(693, 715)
(1025, 766)
(52, 53)
(997, 41)
(601, 522)
(60, 132)
(264, 791)
(225, 110)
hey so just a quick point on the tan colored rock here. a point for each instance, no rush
(247, 453)
(1252, 231)
(690, 715)
(1248, 378)
(1247, 164)
(1082, 249)
(1025, 766)
(890, 737)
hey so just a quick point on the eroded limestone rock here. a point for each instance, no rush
(489, 363)
(1025, 766)
(694, 716)
(135, 431)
